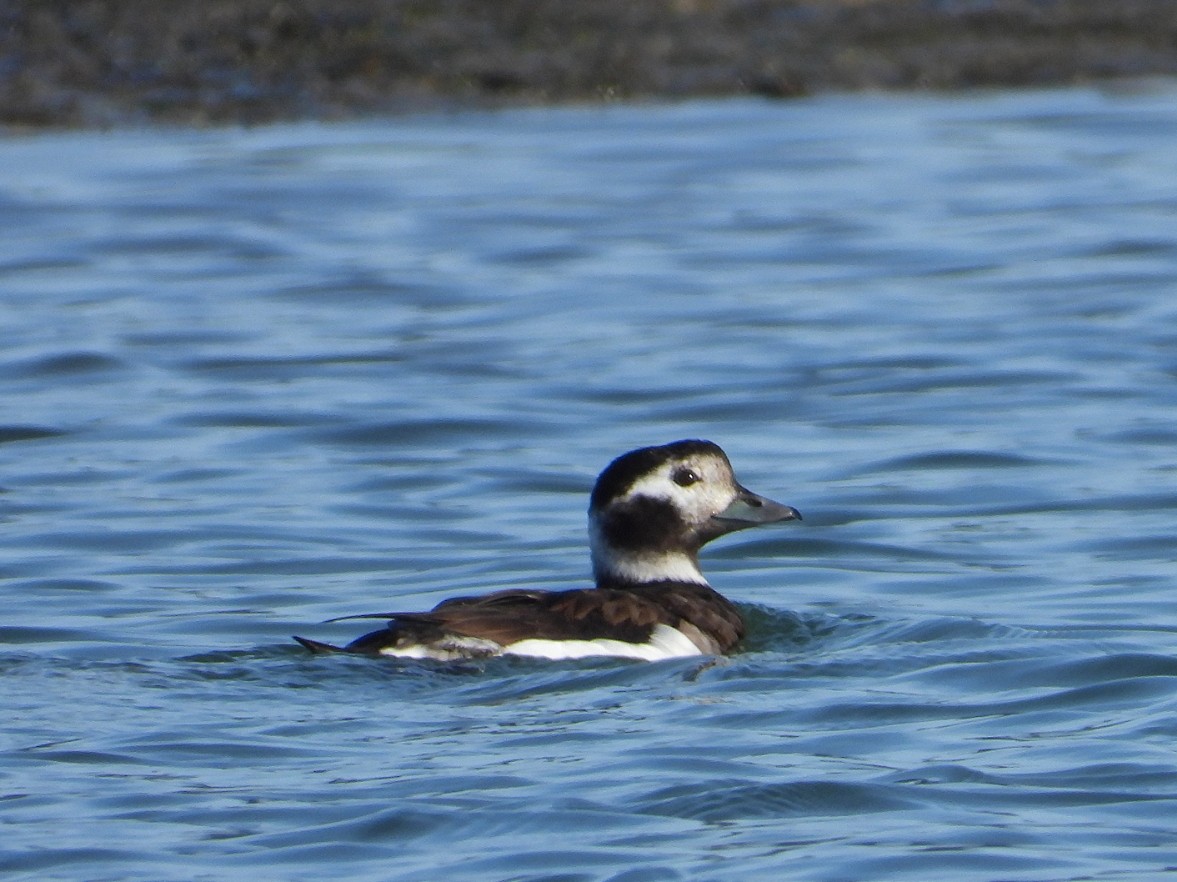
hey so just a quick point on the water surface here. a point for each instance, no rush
(254, 379)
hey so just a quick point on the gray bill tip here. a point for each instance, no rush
(749, 508)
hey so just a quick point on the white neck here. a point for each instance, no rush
(639, 567)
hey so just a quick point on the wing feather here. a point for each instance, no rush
(505, 617)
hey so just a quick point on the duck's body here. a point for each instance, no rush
(651, 511)
(652, 621)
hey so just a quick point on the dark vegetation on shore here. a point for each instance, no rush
(118, 62)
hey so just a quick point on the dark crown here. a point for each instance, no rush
(627, 469)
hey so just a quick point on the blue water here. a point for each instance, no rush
(253, 379)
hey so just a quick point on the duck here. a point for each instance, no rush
(650, 512)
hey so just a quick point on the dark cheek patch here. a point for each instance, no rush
(644, 523)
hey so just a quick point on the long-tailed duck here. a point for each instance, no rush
(651, 511)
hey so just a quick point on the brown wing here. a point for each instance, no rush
(710, 620)
(707, 618)
(582, 614)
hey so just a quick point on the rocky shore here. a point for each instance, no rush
(129, 62)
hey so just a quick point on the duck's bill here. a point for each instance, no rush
(749, 509)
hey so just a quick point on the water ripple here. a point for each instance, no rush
(260, 378)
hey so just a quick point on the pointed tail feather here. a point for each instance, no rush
(318, 648)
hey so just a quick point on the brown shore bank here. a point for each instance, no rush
(118, 62)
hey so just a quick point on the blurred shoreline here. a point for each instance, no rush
(103, 63)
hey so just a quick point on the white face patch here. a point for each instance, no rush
(665, 642)
(697, 502)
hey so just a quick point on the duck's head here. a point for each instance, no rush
(652, 509)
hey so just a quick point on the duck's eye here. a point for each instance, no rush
(685, 477)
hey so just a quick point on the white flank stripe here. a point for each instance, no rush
(451, 649)
(665, 642)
